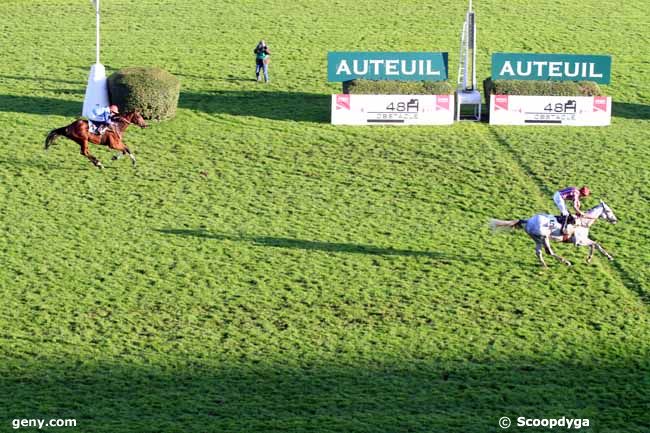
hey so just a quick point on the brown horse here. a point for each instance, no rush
(78, 132)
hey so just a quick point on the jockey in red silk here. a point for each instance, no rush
(574, 194)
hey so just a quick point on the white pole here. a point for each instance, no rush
(467, 47)
(97, 89)
(474, 52)
(97, 26)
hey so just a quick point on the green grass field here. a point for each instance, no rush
(264, 271)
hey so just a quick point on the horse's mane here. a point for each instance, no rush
(595, 207)
(124, 116)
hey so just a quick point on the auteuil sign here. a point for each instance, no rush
(344, 66)
(554, 67)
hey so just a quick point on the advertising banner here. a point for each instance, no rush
(550, 110)
(554, 67)
(345, 66)
(352, 109)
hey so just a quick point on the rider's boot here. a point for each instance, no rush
(565, 223)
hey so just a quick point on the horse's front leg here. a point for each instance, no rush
(122, 149)
(549, 250)
(126, 151)
(591, 252)
(586, 242)
(538, 253)
(602, 250)
(131, 155)
(86, 152)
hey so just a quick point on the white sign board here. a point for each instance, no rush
(353, 109)
(550, 110)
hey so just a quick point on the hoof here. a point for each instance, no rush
(115, 157)
(568, 263)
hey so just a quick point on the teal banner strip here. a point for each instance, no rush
(554, 67)
(344, 66)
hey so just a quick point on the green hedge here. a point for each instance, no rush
(542, 88)
(398, 87)
(152, 91)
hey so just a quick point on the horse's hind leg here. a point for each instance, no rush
(549, 250)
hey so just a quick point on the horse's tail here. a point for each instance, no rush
(53, 135)
(512, 224)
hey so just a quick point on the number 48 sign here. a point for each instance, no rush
(550, 110)
(568, 107)
(410, 106)
(353, 109)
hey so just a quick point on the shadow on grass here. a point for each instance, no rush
(505, 144)
(631, 111)
(413, 396)
(332, 247)
(302, 107)
(42, 80)
(631, 282)
(40, 105)
(240, 79)
(43, 164)
(274, 105)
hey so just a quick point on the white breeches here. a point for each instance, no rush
(559, 202)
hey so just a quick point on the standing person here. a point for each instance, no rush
(574, 194)
(262, 60)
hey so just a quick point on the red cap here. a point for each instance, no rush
(584, 191)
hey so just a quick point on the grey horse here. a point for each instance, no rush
(544, 228)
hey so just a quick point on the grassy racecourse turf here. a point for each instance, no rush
(264, 271)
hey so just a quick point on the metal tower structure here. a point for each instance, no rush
(466, 91)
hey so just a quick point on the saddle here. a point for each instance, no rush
(98, 128)
(570, 219)
(564, 222)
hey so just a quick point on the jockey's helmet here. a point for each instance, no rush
(584, 191)
(113, 108)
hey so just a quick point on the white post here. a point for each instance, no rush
(467, 47)
(97, 88)
(97, 27)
